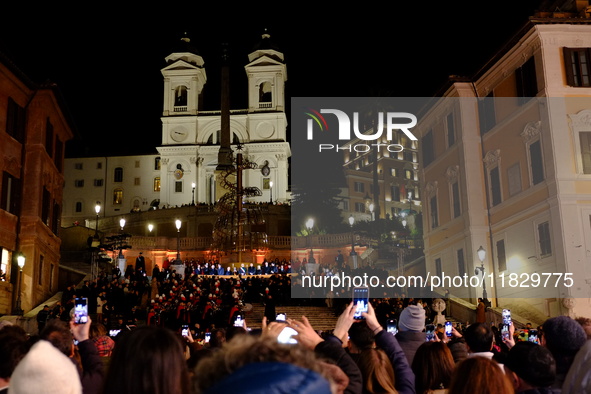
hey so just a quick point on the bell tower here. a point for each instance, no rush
(267, 73)
(184, 79)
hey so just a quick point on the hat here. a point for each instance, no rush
(532, 363)
(563, 335)
(412, 318)
(46, 370)
(271, 378)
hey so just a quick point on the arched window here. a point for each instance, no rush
(215, 138)
(265, 95)
(180, 96)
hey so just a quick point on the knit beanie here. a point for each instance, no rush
(45, 369)
(412, 318)
(564, 335)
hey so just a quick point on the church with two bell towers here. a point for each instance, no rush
(183, 171)
(191, 137)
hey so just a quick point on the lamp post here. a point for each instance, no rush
(405, 240)
(121, 224)
(20, 259)
(310, 226)
(481, 255)
(193, 193)
(95, 244)
(178, 240)
(270, 192)
(353, 253)
(97, 209)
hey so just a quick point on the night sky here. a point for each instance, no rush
(107, 61)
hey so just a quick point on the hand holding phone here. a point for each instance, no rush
(448, 329)
(361, 301)
(392, 326)
(429, 332)
(507, 317)
(185, 330)
(81, 310)
(286, 336)
(239, 321)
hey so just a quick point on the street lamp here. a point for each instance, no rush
(20, 259)
(121, 224)
(405, 239)
(310, 226)
(178, 240)
(193, 193)
(95, 244)
(271, 192)
(150, 228)
(353, 253)
(97, 209)
(481, 255)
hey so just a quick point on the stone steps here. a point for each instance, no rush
(320, 317)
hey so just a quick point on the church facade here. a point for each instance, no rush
(191, 138)
(183, 171)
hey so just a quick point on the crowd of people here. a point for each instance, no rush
(176, 333)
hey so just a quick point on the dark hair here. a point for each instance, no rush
(150, 360)
(215, 340)
(532, 363)
(481, 374)
(13, 347)
(361, 335)
(58, 333)
(232, 331)
(479, 337)
(433, 366)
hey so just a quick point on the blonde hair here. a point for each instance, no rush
(377, 371)
(247, 349)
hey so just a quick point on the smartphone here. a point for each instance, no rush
(448, 329)
(505, 331)
(429, 332)
(280, 317)
(239, 321)
(392, 326)
(113, 333)
(533, 336)
(286, 336)
(185, 330)
(81, 311)
(507, 317)
(361, 300)
(207, 337)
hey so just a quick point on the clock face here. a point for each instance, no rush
(179, 134)
(178, 174)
